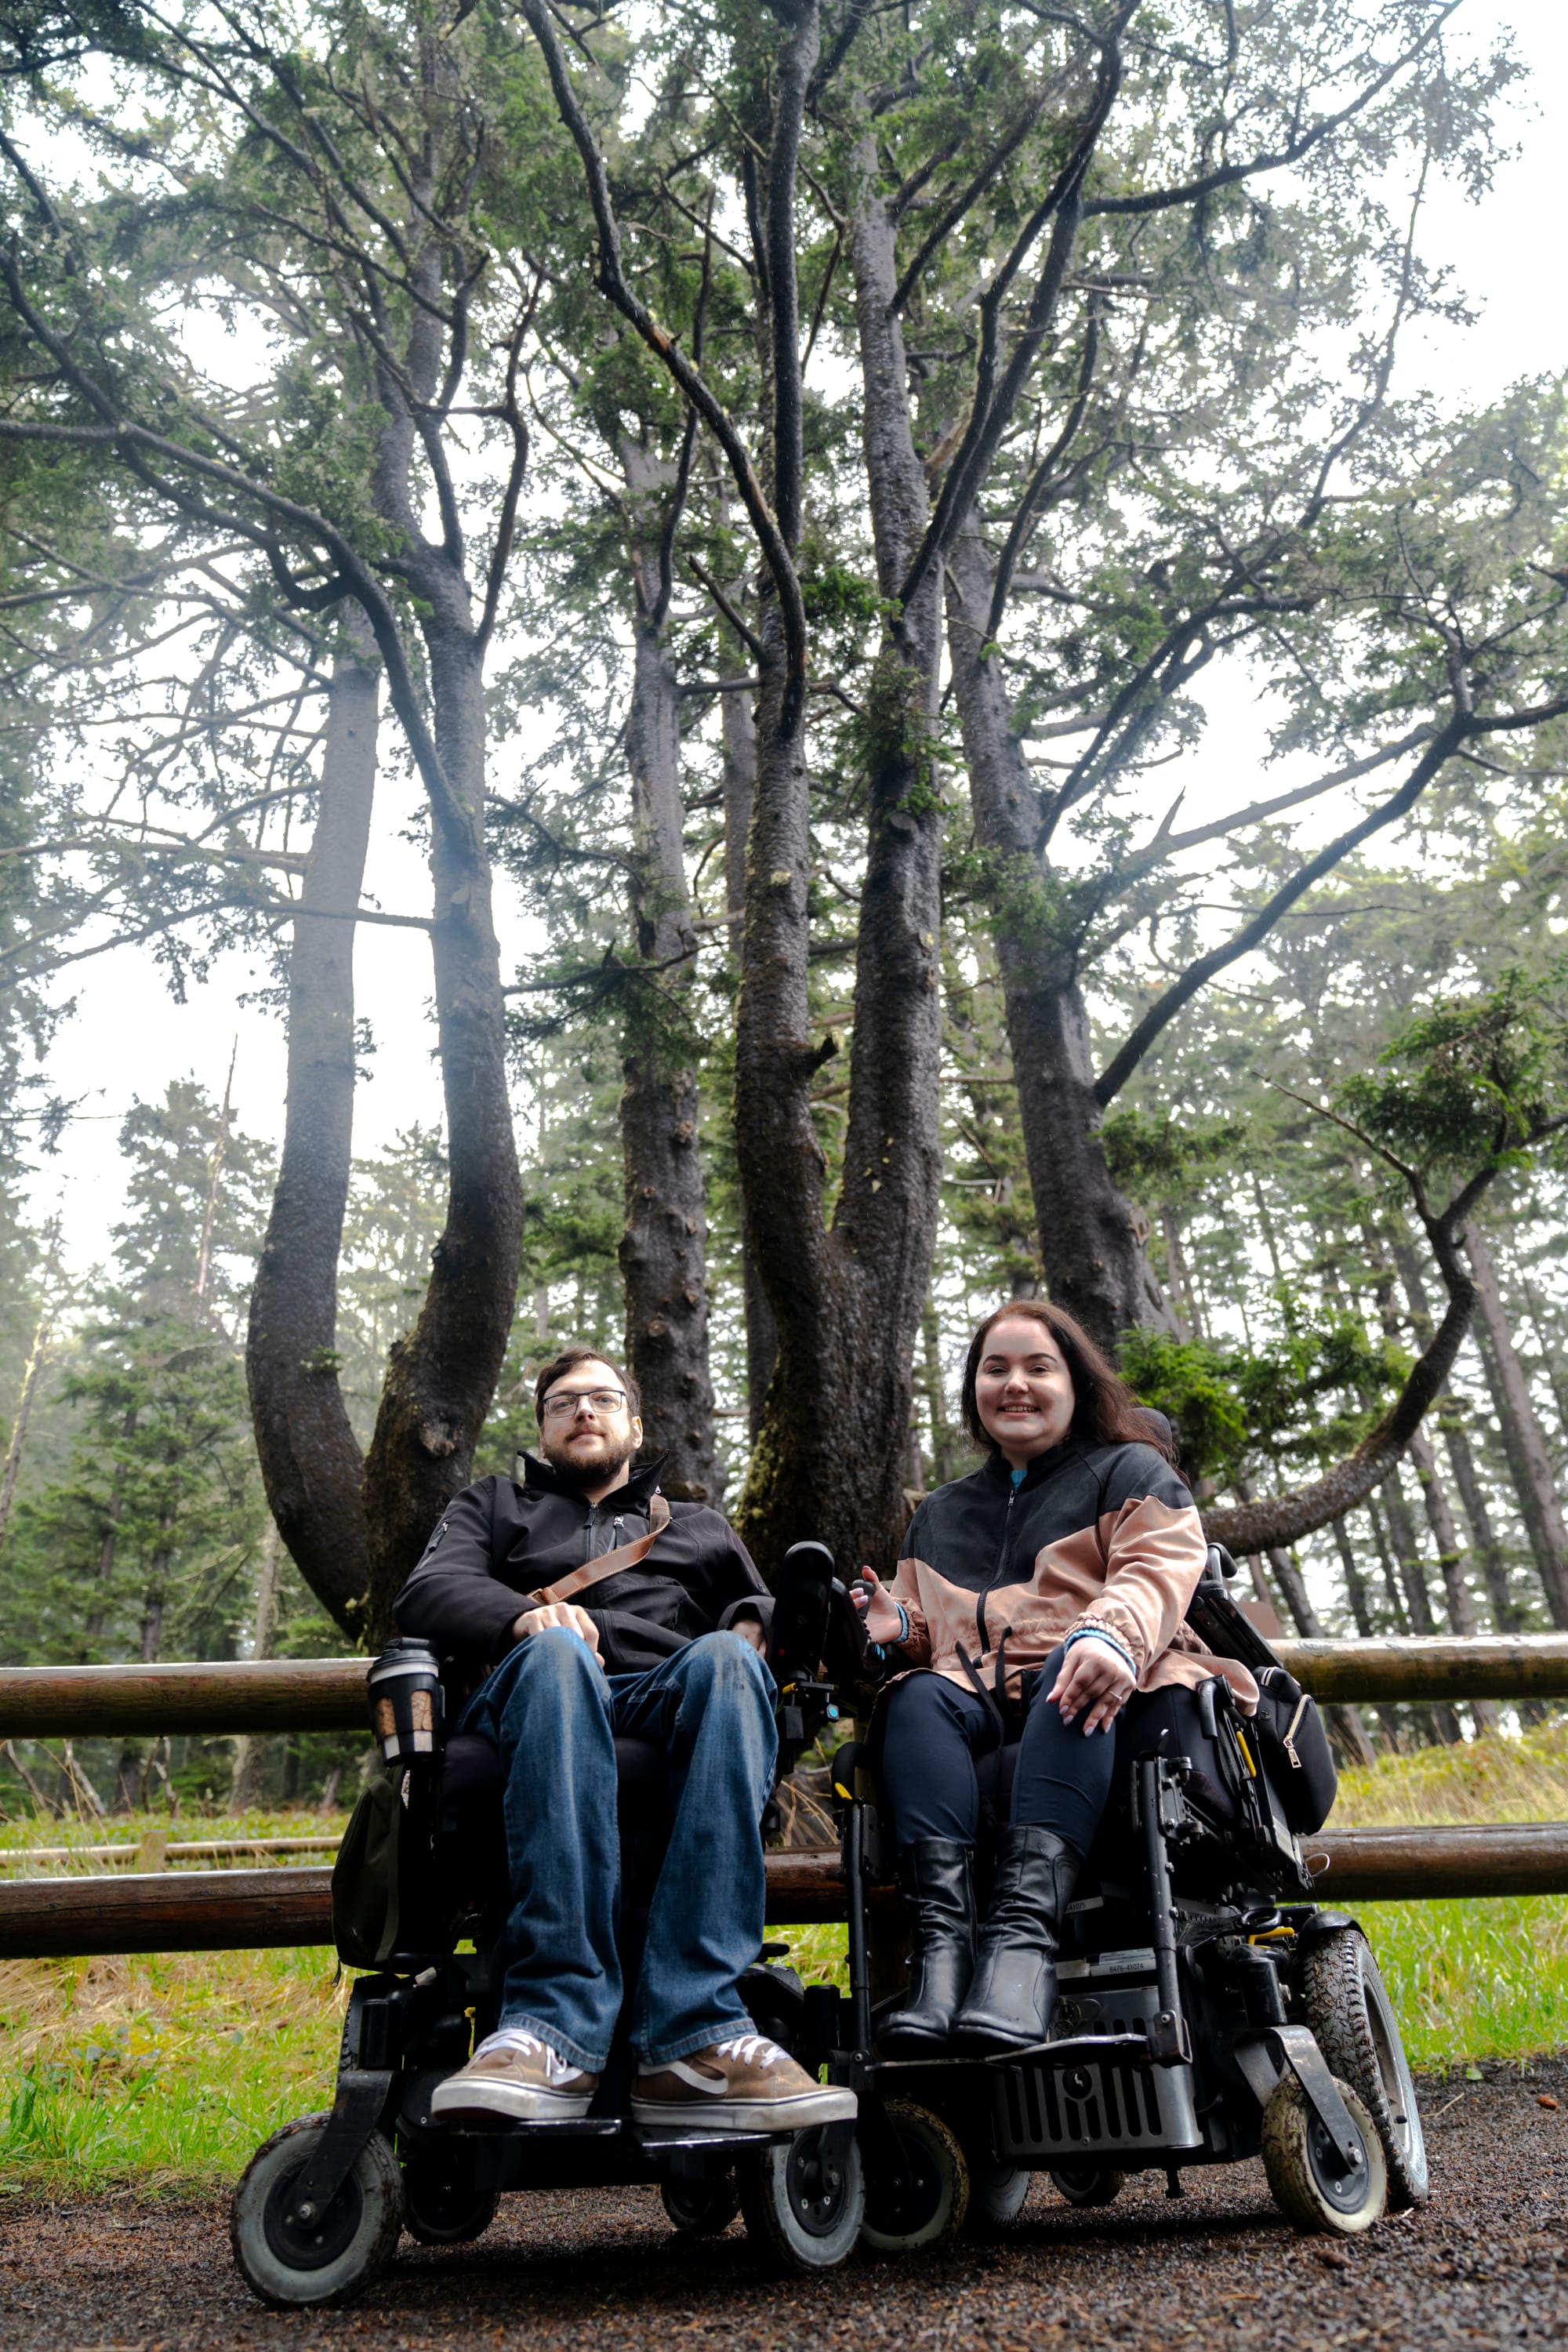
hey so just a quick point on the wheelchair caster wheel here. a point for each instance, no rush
(443, 2206)
(802, 2214)
(1089, 2184)
(998, 2193)
(329, 2258)
(918, 2195)
(1305, 2177)
(701, 2209)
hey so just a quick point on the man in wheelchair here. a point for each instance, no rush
(609, 1622)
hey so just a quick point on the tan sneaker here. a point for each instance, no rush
(746, 2084)
(512, 2073)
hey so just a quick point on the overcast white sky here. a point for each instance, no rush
(126, 1037)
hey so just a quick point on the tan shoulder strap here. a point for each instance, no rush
(610, 1563)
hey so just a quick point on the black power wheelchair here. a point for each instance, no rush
(1208, 2012)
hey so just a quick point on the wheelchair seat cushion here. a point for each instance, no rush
(473, 1783)
(1166, 1719)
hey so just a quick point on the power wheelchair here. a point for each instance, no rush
(1208, 2012)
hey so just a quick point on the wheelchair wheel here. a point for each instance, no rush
(340, 2251)
(801, 2213)
(998, 2192)
(923, 2198)
(1350, 2013)
(444, 2205)
(701, 2209)
(1089, 2184)
(1304, 2176)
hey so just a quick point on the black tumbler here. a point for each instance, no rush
(406, 1701)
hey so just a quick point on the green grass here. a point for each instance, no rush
(165, 2072)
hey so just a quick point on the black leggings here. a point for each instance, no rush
(933, 1730)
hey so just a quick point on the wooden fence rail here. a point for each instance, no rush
(327, 1694)
(225, 1910)
(233, 1910)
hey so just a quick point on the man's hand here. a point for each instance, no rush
(750, 1629)
(1094, 1677)
(883, 1623)
(558, 1613)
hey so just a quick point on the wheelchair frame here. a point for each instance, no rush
(1187, 2034)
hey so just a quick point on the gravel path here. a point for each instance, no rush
(1485, 2263)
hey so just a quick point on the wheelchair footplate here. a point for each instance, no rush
(1100, 2090)
(1094, 2094)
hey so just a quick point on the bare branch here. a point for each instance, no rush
(774, 544)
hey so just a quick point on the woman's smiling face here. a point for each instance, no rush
(1023, 1390)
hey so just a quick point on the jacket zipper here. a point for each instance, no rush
(995, 1579)
(590, 1531)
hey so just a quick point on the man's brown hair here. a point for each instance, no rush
(567, 1360)
(1105, 1411)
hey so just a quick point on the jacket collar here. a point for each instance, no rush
(541, 1478)
(1043, 1466)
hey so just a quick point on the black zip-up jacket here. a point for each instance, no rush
(500, 1541)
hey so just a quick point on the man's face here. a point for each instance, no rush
(587, 1431)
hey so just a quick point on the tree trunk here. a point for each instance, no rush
(1356, 1582)
(663, 1248)
(1507, 1614)
(1412, 1570)
(1509, 1617)
(738, 722)
(310, 1463)
(1451, 1562)
(1091, 1238)
(1390, 1586)
(1550, 1357)
(440, 1378)
(1523, 1434)
(848, 1303)
(23, 1415)
(1407, 1555)
(1360, 1601)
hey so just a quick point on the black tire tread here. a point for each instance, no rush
(1333, 1979)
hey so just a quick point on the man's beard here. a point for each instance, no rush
(591, 1470)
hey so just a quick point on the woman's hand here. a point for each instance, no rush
(883, 1621)
(558, 1613)
(1094, 1677)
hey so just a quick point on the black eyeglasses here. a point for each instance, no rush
(557, 1406)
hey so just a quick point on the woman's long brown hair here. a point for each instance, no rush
(1105, 1411)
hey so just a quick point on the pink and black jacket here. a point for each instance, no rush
(1094, 1539)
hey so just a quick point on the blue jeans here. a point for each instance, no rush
(554, 1714)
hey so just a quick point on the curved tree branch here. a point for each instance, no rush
(1202, 971)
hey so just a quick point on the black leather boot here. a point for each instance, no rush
(1012, 1993)
(935, 1877)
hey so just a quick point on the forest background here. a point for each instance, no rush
(979, 675)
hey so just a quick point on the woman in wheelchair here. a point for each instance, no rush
(1041, 1601)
